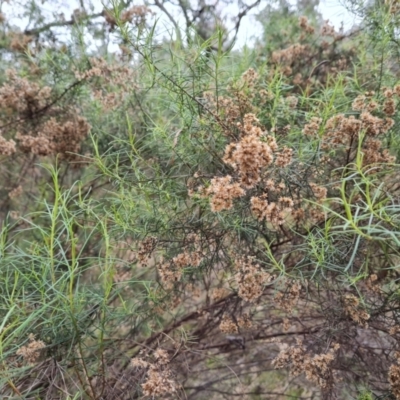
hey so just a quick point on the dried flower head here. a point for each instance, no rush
(270, 211)
(228, 325)
(317, 368)
(32, 351)
(389, 107)
(303, 23)
(249, 156)
(161, 356)
(319, 192)
(328, 30)
(292, 101)
(223, 193)
(7, 147)
(290, 54)
(250, 77)
(394, 330)
(359, 103)
(146, 248)
(312, 128)
(159, 383)
(139, 363)
(219, 293)
(289, 298)
(251, 279)
(16, 192)
(284, 158)
(353, 309)
(19, 42)
(136, 15)
(244, 321)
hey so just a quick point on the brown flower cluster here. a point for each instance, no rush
(319, 192)
(303, 23)
(340, 128)
(7, 147)
(138, 362)
(286, 324)
(55, 137)
(328, 30)
(159, 381)
(244, 91)
(22, 96)
(273, 212)
(264, 210)
(146, 249)
(394, 330)
(16, 192)
(292, 357)
(281, 130)
(284, 157)
(312, 128)
(249, 77)
(373, 153)
(171, 271)
(251, 154)
(251, 279)
(187, 259)
(136, 15)
(193, 250)
(290, 54)
(345, 131)
(353, 309)
(359, 103)
(244, 321)
(110, 78)
(389, 107)
(219, 293)
(228, 325)
(229, 110)
(291, 101)
(169, 274)
(19, 42)
(317, 368)
(288, 299)
(223, 192)
(26, 100)
(250, 157)
(394, 377)
(374, 125)
(32, 351)
(364, 102)
(310, 59)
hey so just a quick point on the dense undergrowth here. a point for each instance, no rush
(182, 220)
